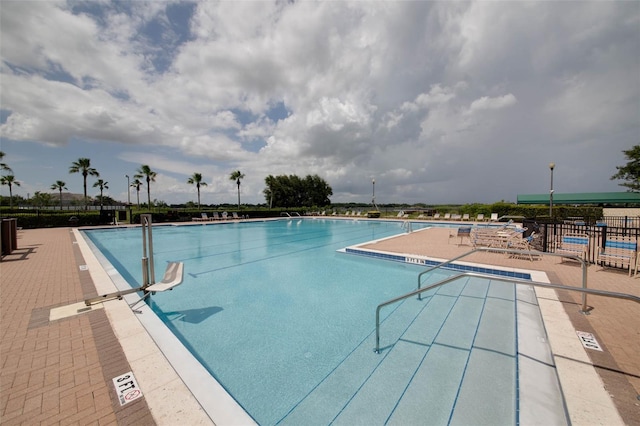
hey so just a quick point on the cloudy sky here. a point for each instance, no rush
(440, 102)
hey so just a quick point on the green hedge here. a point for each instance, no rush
(28, 219)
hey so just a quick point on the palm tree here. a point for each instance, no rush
(102, 185)
(83, 165)
(59, 185)
(145, 172)
(137, 184)
(197, 180)
(3, 166)
(237, 176)
(9, 180)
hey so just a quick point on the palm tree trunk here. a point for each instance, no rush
(85, 193)
(148, 194)
(60, 198)
(238, 194)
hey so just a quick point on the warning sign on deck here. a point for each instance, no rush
(126, 388)
(589, 341)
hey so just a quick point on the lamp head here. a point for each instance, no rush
(552, 165)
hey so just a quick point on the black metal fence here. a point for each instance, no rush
(549, 236)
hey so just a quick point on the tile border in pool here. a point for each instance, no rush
(422, 260)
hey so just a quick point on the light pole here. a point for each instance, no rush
(128, 197)
(128, 190)
(551, 167)
(373, 199)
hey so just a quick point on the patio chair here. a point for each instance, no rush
(462, 233)
(619, 251)
(573, 244)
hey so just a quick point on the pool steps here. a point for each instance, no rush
(476, 374)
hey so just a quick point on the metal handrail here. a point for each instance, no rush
(584, 291)
(521, 252)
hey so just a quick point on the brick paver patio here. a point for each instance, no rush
(56, 372)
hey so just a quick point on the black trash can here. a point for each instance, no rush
(9, 236)
(73, 221)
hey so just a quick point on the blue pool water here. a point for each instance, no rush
(284, 322)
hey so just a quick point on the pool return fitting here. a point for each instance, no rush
(172, 277)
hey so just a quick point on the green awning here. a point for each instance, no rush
(582, 198)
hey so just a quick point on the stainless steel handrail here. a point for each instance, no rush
(497, 278)
(584, 309)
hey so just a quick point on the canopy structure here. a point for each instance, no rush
(597, 198)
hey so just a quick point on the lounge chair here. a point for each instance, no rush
(517, 242)
(203, 218)
(494, 217)
(400, 214)
(447, 216)
(436, 216)
(480, 217)
(235, 215)
(215, 216)
(465, 216)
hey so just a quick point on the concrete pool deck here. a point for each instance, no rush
(61, 371)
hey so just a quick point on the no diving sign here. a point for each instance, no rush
(126, 388)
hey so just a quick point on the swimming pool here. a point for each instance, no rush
(285, 323)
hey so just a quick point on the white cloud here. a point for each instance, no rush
(415, 93)
(487, 103)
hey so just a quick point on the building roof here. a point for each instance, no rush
(582, 198)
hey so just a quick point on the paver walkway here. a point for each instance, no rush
(56, 372)
(59, 372)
